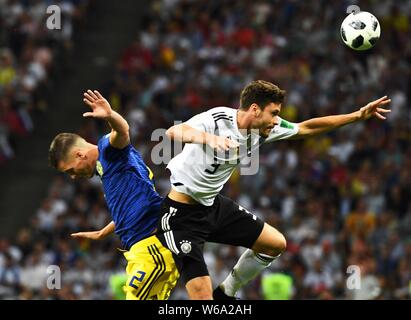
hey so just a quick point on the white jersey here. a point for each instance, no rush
(200, 172)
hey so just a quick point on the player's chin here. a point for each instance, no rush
(265, 133)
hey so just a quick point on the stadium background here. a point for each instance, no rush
(341, 199)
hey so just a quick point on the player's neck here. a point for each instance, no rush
(243, 119)
(92, 152)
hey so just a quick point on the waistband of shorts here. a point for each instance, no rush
(145, 242)
(173, 203)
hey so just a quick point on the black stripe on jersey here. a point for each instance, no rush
(249, 146)
(158, 270)
(223, 117)
(150, 278)
(221, 114)
(215, 114)
(178, 184)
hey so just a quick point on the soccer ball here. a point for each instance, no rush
(360, 31)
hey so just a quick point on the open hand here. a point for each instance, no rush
(100, 106)
(373, 109)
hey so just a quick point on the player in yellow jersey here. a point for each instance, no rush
(130, 195)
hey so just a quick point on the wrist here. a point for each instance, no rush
(357, 115)
(109, 115)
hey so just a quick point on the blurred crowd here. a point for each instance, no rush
(341, 199)
(28, 50)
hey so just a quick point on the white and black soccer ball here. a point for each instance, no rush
(360, 31)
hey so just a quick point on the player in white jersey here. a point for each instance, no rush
(203, 174)
(195, 212)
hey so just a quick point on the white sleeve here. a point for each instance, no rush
(283, 130)
(203, 121)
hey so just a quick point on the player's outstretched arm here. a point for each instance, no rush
(101, 109)
(184, 133)
(96, 235)
(323, 124)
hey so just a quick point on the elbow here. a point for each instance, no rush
(174, 131)
(124, 130)
(178, 132)
(127, 130)
(170, 132)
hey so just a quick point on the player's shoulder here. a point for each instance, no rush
(105, 145)
(222, 112)
(104, 141)
(210, 117)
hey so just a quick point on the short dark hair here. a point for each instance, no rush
(262, 93)
(60, 146)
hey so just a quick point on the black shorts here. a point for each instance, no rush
(184, 229)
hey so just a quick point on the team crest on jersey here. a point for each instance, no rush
(99, 168)
(185, 246)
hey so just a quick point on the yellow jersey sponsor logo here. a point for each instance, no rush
(99, 168)
(150, 173)
(150, 176)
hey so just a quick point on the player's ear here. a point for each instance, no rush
(255, 109)
(80, 154)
